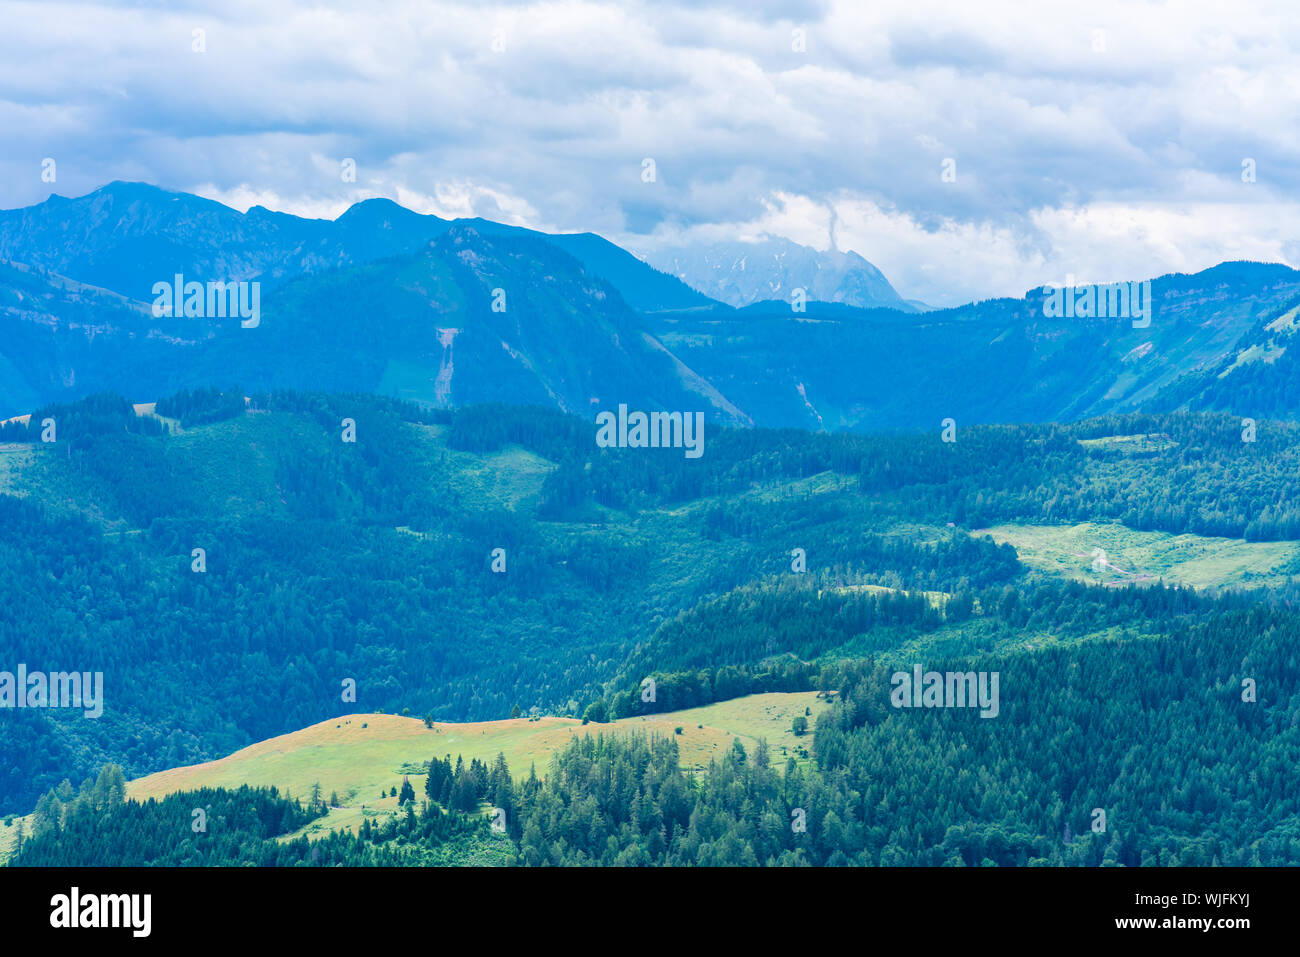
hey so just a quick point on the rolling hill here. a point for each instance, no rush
(356, 756)
(374, 561)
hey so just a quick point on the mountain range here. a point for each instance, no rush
(743, 273)
(453, 312)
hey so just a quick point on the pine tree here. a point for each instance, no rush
(48, 815)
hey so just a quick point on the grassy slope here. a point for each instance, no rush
(361, 755)
(1196, 560)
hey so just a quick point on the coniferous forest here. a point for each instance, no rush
(780, 562)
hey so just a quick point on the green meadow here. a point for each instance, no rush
(1134, 557)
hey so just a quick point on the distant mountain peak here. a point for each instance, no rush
(380, 208)
(127, 190)
(742, 273)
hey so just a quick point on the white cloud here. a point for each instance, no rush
(1069, 158)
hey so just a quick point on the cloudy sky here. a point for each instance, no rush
(1103, 141)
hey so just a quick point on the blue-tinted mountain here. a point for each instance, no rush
(429, 326)
(127, 236)
(744, 273)
(1002, 360)
(387, 300)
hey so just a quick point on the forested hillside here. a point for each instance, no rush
(1128, 753)
(326, 561)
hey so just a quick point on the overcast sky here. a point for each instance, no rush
(1103, 143)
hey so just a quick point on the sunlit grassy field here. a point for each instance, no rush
(1072, 551)
(361, 757)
